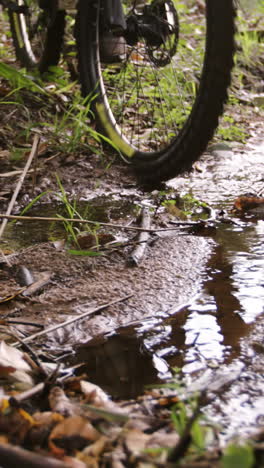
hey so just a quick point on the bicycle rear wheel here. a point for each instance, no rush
(160, 91)
(37, 34)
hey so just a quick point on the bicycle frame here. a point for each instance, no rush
(113, 11)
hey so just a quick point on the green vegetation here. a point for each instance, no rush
(197, 432)
(72, 233)
(65, 119)
(238, 456)
(247, 72)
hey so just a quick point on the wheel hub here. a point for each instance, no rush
(157, 24)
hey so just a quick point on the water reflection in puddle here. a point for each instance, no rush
(205, 333)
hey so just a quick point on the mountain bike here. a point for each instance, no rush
(158, 70)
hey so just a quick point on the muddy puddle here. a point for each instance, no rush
(101, 209)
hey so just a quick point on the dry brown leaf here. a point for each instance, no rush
(43, 424)
(72, 435)
(13, 364)
(162, 439)
(15, 424)
(9, 291)
(60, 403)
(94, 394)
(75, 463)
(46, 418)
(136, 441)
(95, 449)
(99, 404)
(4, 154)
(247, 203)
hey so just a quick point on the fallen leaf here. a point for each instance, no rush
(12, 295)
(43, 424)
(136, 441)
(60, 403)
(15, 424)
(162, 439)
(72, 435)
(94, 394)
(248, 203)
(75, 463)
(100, 405)
(4, 154)
(13, 365)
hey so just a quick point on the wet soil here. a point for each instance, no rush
(167, 277)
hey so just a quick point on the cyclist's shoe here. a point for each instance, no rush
(112, 48)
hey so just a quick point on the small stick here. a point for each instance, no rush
(87, 221)
(68, 322)
(20, 322)
(30, 392)
(33, 152)
(11, 456)
(138, 252)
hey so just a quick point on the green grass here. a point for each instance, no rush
(66, 118)
(72, 231)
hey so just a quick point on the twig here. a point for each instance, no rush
(40, 283)
(87, 221)
(14, 173)
(30, 392)
(33, 152)
(137, 254)
(75, 319)
(11, 456)
(20, 322)
(50, 379)
(17, 189)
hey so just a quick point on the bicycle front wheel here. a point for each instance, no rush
(159, 85)
(37, 34)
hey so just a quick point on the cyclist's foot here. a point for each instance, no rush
(112, 48)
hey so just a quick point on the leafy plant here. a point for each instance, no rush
(71, 230)
(19, 79)
(72, 127)
(186, 417)
(230, 131)
(238, 456)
